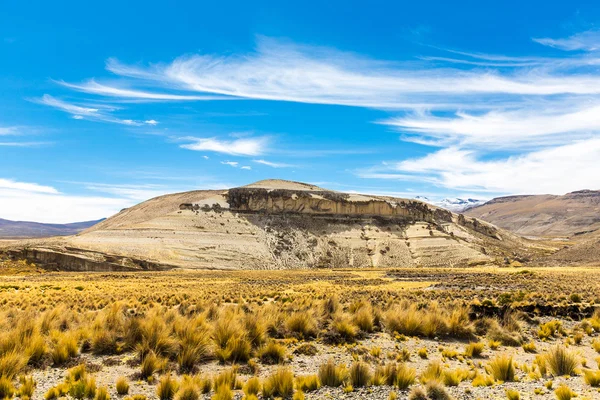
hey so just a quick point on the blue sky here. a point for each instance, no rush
(104, 105)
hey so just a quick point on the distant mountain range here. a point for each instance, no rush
(25, 229)
(570, 215)
(453, 204)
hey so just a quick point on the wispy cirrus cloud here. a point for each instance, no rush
(465, 106)
(24, 144)
(251, 146)
(102, 112)
(94, 87)
(288, 72)
(29, 187)
(587, 41)
(272, 164)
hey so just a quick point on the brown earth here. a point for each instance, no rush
(570, 215)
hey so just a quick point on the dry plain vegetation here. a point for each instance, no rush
(322, 334)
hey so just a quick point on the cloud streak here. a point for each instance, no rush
(586, 41)
(238, 147)
(95, 113)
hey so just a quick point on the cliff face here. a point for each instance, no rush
(330, 203)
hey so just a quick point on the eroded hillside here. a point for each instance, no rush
(280, 224)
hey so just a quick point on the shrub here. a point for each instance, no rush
(252, 386)
(422, 352)
(563, 392)
(6, 388)
(122, 385)
(272, 353)
(592, 378)
(360, 374)
(499, 333)
(237, 349)
(596, 345)
(512, 394)
(331, 375)
(308, 383)
(12, 363)
(188, 391)
(102, 394)
(502, 368)
(451, 378)
(548, 329)
(279, 384)
(342, 331)
(417, 394)
(222, 393)
(433, 372)
(150, 365)
(482, 380)
(474, 349)
(405, 321)
(27, 387)
(530, 347)
(400, 375)
(435, 391)
(459, 325)
(166, 388)
(561, 361)
(303, 324)
(227, 378)
(363, 319)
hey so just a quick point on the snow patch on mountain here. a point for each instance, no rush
(453, 204)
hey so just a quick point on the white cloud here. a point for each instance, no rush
(25, 205)
(151, 122)
(30, 187)
(22, 201)
(95, 113)
(23, 144)
(246, 167)
(272, 164)
(537, 126)
(287, 72)
(230, 163)
(587, 41)
(94, 87)
(239, 147)
(8, 130)
(555, 170)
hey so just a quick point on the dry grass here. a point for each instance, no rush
(561, 361)
(177, 324)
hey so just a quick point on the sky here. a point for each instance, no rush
(106, 104)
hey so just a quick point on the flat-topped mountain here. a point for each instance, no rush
(281, 224)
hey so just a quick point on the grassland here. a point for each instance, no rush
(315, 334)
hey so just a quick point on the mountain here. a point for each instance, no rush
(23, 229)
(457, 205)
(277, 224)
(567, 216)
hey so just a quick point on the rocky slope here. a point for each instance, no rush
(570, 215)
(282, 224)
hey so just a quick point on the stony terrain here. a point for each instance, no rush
(193, 321)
